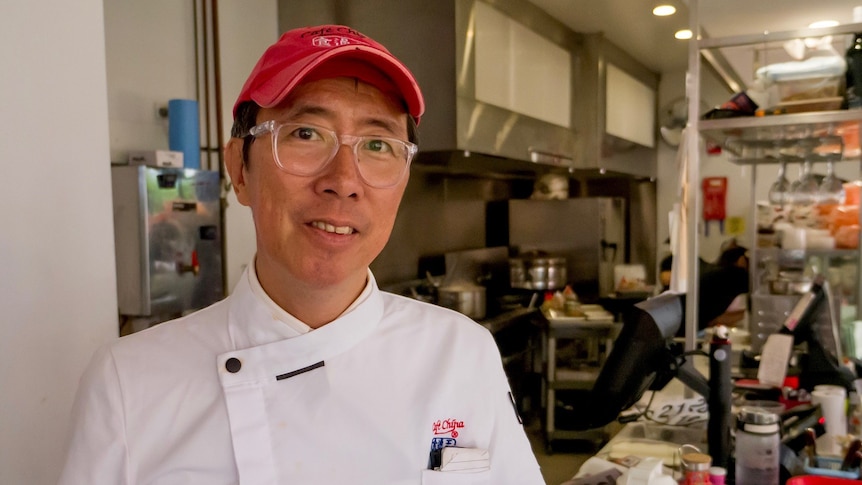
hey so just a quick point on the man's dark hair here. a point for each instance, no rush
(246, 119)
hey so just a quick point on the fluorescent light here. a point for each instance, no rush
(822, 24)
(683, 34)
(663, 10)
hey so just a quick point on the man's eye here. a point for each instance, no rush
(378, 145)
(306, 133)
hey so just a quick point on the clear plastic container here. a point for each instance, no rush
(757, 442)
(809, 88)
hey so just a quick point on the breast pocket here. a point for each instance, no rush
(433, 477)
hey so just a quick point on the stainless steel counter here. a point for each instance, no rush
(509, 318)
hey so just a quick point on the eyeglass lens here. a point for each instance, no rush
(305, 150)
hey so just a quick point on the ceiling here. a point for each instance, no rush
(630, 25)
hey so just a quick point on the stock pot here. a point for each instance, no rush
(467, 298)
(537, 272)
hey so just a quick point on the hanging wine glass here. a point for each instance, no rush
(789, 152)
(832, 187)
(780, 187)
(805, 192)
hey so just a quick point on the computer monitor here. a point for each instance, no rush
(642, 359)
(813, 322)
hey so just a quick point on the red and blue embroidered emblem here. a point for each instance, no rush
(447, 426)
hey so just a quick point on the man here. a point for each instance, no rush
(722, 287)
(307, 373)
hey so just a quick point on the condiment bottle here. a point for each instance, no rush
(695, 467)
(717, 475)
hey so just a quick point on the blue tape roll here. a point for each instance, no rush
(184, 133)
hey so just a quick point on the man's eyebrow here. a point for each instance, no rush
(391, 126)
(309, 109)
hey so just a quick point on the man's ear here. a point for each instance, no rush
(235, 167)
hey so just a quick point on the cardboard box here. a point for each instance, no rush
(156, 158)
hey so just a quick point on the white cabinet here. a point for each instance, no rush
(519, 70)
(630, 108)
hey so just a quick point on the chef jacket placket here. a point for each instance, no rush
(246, 405)
(247, 377)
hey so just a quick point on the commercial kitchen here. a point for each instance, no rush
(554, 179)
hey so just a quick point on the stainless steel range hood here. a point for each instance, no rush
(435, 40)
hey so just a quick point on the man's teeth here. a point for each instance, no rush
(330, 228)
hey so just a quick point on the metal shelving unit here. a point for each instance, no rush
(573, 374)
(739, 133)
(733, 133)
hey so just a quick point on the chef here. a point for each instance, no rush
(308, 373)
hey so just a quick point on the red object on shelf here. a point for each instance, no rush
(820, 480)
(791, 382)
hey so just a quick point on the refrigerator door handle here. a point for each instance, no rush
(613, 247)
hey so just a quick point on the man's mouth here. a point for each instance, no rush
(333, 229)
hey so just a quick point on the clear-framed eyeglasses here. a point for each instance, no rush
(305, 150)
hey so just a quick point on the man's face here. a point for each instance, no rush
(324, 230)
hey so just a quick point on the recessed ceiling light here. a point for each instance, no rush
(663, 10)
(683, 34)
(823, 23)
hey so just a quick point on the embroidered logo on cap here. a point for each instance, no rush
(332, 36)
(447, 426)
(330, 41)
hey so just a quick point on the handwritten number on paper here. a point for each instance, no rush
(686, 412)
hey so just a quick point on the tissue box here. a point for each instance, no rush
(156, 158)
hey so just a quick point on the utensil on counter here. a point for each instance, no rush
(811, 446)
(789, 283)
(851, 459)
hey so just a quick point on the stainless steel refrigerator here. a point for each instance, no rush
(168, 236)
(589, 232)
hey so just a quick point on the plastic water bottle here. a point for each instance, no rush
(757, 443)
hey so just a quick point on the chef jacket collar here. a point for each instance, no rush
(278, 313)
(264, 352)
(281, 314)
(284, 325)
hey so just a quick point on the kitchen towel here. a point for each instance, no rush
(184, 130)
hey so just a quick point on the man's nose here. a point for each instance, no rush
(342, 173)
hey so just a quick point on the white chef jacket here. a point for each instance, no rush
(221, 397)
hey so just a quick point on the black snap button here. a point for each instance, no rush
(233, 365)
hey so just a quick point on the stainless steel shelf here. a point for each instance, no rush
(766, 37)
(733, 134)
(790, 254)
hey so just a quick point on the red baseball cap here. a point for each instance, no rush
(326, 51)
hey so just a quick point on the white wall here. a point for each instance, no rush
(251, 26)
(57, 283)
(672, 86)
(60, 88)
(150, 59)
